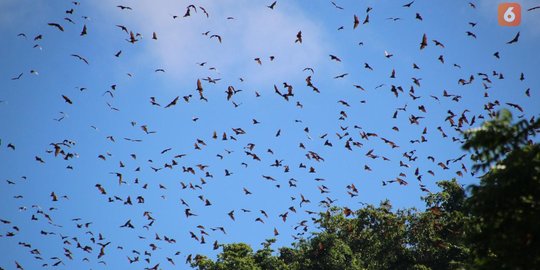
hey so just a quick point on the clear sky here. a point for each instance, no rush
(35, 115)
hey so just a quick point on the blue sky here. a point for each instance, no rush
(29, 105)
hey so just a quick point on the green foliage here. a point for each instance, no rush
(240, 256)
(324, 251)
(375, 238)
(495, 138)
(438, 234)
(506, 204)
(234, 256)
(380, 236)
(265, 259)
(496, 227)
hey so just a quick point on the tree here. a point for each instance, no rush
(368, 238)
(240, 256)
(497, 224)
(234, 256)
(505, 233)
(438, 235)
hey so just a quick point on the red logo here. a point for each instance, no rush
(509, 14)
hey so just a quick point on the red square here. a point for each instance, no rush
(509, 14)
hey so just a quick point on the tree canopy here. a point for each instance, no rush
(491, 225)
(505, 206)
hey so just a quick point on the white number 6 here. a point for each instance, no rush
(509, 15)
